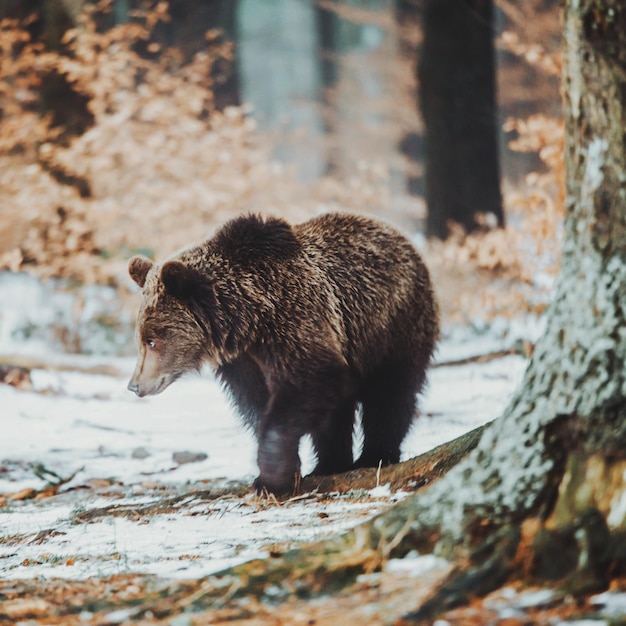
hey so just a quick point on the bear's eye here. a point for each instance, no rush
(151, 344)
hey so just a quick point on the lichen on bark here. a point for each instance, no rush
(577, 370)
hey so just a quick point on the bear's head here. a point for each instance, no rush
(171, 335)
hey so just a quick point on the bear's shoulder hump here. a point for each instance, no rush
(252, 238)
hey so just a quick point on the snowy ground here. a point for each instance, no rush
(144, 498)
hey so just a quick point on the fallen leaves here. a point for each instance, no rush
(51, 488)
(16, 376)
(158, 166)
(23, 608)
(381, 598)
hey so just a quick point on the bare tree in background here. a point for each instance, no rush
(456, 75)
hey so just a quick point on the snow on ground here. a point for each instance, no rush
(74, 421)
(122, 451)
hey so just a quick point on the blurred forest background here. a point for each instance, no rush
(139, 125)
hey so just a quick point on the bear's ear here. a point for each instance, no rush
(138, 268)
(179, 280)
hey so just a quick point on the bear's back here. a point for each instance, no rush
(379, 280)
(351, 276)
(361, 255)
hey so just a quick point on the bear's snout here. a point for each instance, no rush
(142, 386)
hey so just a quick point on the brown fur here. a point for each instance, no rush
(303, 325)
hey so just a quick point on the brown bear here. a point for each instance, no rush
(303, 325)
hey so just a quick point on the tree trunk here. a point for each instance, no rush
(456, 75)
(563, 436)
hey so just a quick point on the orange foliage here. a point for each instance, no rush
(159, 168)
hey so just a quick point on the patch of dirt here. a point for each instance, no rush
(164, 504)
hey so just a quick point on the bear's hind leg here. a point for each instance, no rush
(332, 440)
(389, 400)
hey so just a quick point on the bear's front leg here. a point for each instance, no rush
(316, 398)
(278, 460)
(279, 431)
